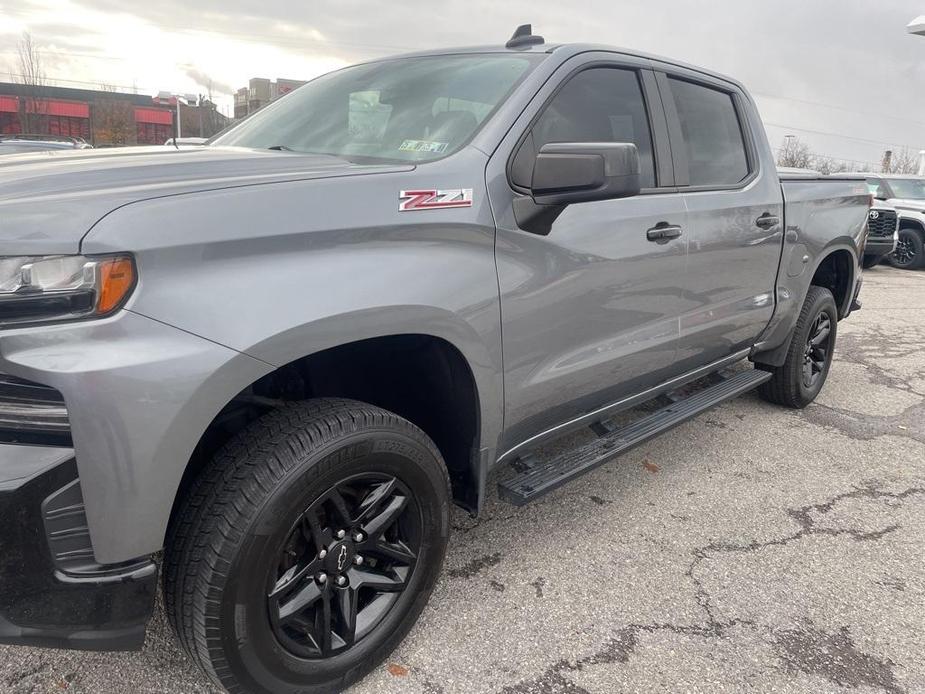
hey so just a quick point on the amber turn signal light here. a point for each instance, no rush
(117, 277)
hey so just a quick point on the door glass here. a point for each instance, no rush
(596, 105)
(712, 135)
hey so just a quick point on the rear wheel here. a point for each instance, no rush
(308, 547)
(798, 381)
(910, 250)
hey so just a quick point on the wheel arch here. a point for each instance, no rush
(911, 223)
(836, 267)
(837, 271)
(422, 377)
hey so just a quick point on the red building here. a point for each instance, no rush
(153, 125)
(99, 117)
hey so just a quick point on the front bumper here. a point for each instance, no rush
(52, 593)
(879, 246)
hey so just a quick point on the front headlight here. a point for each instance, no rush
(62, 287)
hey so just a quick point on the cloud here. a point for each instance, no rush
(822, 66)
(206, 82)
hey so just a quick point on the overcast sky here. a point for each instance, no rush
(843, 75)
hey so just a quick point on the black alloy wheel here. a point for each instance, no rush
(307, 547)
(797, 381)
(816, 350)
(910, 250)
(905, 252)
(343, 565)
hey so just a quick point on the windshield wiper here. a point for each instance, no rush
(281, 148)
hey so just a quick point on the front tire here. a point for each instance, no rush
(798, 381)
(307, 548)
(910, 250)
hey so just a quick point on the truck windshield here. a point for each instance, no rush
(402, 110)
(908, 188)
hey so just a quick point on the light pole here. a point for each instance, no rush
(189, 100)
(917, 26)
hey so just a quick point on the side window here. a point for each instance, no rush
(596, 105)
(712, 134)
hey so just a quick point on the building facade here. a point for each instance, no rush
(259, 92)
(102, 118)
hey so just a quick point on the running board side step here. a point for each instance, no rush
(535, 477)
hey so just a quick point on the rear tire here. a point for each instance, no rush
(910, 250)
(307, 548)
(798, 381)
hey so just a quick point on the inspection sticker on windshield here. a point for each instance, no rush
(423, 146)
(410, 200)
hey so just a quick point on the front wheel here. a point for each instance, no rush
(910, 250)
(798, 381)
(307, 548)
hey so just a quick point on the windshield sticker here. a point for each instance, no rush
(423, 146)
(410, 200)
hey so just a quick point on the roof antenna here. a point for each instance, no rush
(523, 36)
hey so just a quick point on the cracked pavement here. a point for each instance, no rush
(751, 549)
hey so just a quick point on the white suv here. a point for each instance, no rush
(906, 195)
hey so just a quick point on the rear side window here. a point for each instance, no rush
(596, 105)
(712, 134)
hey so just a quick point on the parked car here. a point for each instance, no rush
(882, 235)
(905, 194)
(22, 144)
(281, 356)
(175, 141)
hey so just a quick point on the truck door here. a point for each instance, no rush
(589, 310)
(734, 207)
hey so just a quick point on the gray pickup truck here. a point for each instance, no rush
(280, 357)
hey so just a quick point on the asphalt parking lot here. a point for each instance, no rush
(752, 549)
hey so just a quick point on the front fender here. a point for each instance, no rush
(139, 395)
(362, 324)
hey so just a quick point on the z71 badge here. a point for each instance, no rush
(434, 199)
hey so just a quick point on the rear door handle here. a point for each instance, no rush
(663, 232)
(767, 221)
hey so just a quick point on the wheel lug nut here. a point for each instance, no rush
(341, 580)
(322, 554)
(358, 560)
(340, 534)
(321, 578)
(358, 537)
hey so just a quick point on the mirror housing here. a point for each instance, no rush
(571, 172)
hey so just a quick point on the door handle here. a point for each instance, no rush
(767, 221)
(663, 232)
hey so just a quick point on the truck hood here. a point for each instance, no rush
(50, 200)
(908, 204)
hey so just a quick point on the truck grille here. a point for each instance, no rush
(881, 223)
(32, 413)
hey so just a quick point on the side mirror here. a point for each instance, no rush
(571, 172)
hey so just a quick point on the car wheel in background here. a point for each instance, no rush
(909, 253)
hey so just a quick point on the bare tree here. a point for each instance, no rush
(113, 119)
(794, 153)
(32, 76)
(828, 165)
